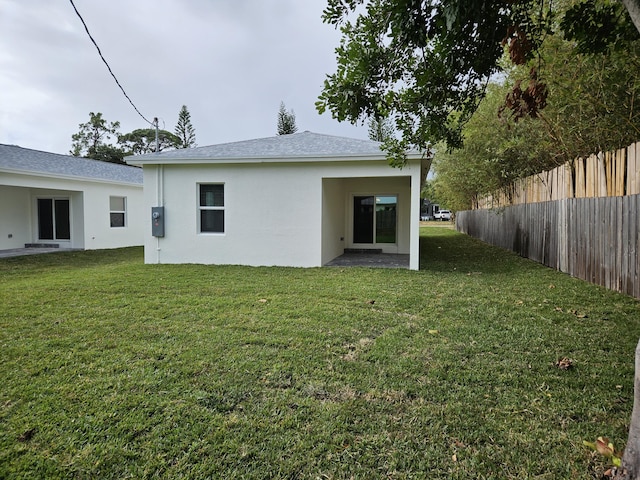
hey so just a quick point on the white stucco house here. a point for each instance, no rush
(291, 200)
(69, 202)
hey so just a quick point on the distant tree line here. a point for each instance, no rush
(101, 140)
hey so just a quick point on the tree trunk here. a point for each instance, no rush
(630, 469)
(633, 7)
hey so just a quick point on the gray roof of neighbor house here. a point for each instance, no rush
(293, 147)
(24, 160)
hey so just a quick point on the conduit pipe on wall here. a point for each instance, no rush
(159, 201)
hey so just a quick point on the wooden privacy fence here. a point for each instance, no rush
(607, 174)
(580, 218)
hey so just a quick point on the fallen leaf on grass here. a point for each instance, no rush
(605, 448)
(564, 363)
(263, 300)
(28, 435)
(433, 332)
(576, 313)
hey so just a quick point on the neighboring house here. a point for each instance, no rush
(289, 200)
(429, 210)
(71, 202)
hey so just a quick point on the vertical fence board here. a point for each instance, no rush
(624, 246)
(604, 262)
(571, 246)
(580, 189)
(636, 170)
(636, 244)
(583, 229)
(590, 175)
(593, 247)
(562, 233)
(603, 236)
(619, 251)
(633, 169)
(601, 186)
(621, 168)
(630, 168)
(609, 174)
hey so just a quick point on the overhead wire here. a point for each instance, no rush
(107, 64)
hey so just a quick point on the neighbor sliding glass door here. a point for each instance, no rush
(54, 219)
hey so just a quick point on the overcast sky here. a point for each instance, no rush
(231, 62)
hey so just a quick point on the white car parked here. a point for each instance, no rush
(444, 215)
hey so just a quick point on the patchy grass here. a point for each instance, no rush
(114, 369)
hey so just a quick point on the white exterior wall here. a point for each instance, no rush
(89, 211)
(272, 216)
(15, 217)
(334, 216)
(98, 232)
(284, 214)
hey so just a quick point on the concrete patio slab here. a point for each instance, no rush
(376, 260)
(18, 252)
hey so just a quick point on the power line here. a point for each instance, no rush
(108, 67)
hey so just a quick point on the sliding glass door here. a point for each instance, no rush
(375, 219)
(54, 219)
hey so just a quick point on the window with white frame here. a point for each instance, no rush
(211, 207)
(118, 211)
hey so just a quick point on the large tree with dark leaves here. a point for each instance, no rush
(93, 140)
(426, 63)
(144, 140)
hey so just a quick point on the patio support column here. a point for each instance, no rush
(414, 231)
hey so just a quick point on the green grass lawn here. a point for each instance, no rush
(110, 368)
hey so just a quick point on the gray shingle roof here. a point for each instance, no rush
(304, 145)
(14, 158)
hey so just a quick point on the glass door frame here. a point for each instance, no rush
(386, 247)
(55, 227)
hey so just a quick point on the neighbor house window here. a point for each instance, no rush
(117, 211)
(211, 208)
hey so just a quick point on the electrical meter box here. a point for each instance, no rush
(157, 221)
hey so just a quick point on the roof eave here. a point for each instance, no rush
(60, 176)
(266, 159)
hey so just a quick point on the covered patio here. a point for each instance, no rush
(374, 260)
